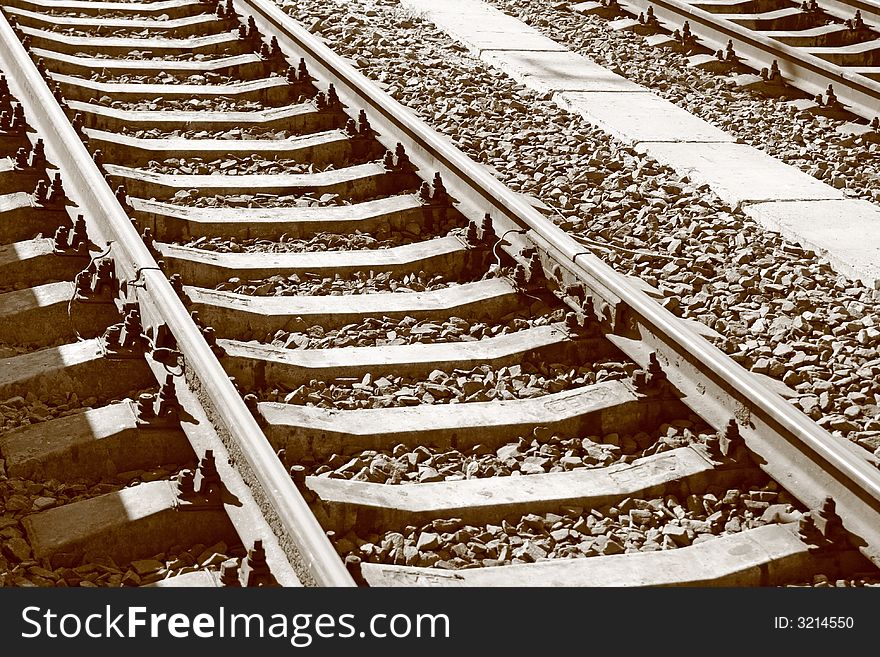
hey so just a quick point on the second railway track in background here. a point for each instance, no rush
(456, 390)
(830, 49)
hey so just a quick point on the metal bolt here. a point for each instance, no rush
(21, 157)
(121, 196)
(167, 402)
(439, 189)
(535, 268)
(18, 121)
(363, 123)
(186, 483)
(472, 235)
(41, 192)
(730, 53)
(38, 155)
(809, 533)
(254, 570)
(83, 284)
(57, 191)
(210, 336)
(176, 283)
(298, 474)
(105, 278)
(132, 330)
(487, 232)
(425, 192)
(229, 573)
(145, 408)
(651, 378)
(210, 480)
(713, 446)
(251, 402)
(79, 237)
(353, 565)
(402, 159)
(62, 238)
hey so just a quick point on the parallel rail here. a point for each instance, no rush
(802, 69)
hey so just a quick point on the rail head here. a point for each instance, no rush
(788, 442)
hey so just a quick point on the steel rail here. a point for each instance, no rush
(801, 69)
(298, 531)
(808, 461)
(844, 9)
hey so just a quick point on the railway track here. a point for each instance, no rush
(99, 433)
(828, 49)
(397, 364)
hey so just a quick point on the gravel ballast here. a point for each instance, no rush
(811, 141)
(386, 331)
(630, 525)
(482, 383)
(780, 307)
(542, 452)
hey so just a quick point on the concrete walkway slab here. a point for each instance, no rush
(739, 174)
(557, 71)
(481, 27)
(846, 233)
(640, 116)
